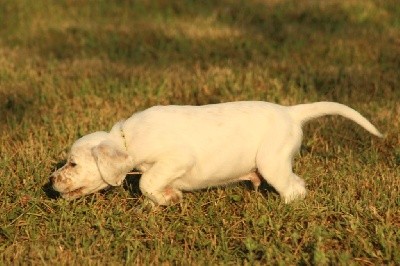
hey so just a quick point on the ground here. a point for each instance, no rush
(68, 68)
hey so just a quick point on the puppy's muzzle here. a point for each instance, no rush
(59, 181)
(55, 178)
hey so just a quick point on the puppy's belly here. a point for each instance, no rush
(217, 169)
(194, 181)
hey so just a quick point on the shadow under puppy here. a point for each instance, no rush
(183, 148)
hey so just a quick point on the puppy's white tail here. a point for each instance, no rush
(305, 112)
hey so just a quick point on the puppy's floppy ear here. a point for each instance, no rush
(113, 163)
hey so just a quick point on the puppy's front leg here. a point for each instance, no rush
(155, 183)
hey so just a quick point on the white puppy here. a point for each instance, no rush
(182, 148)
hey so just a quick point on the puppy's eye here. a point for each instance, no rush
(72, 164)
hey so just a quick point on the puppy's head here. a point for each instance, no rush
(94, 163)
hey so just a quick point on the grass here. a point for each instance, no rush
(68, 68)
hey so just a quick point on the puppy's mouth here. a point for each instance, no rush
(73, 194)
(81, 191)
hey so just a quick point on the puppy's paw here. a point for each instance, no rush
(165, 197)
(172, 196)
(295, 190)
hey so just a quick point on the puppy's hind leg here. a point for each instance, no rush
(274, 163)
(254, 178)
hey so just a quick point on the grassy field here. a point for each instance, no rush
(68, 68)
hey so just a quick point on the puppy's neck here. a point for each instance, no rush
(123, 136)
(118, 134)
